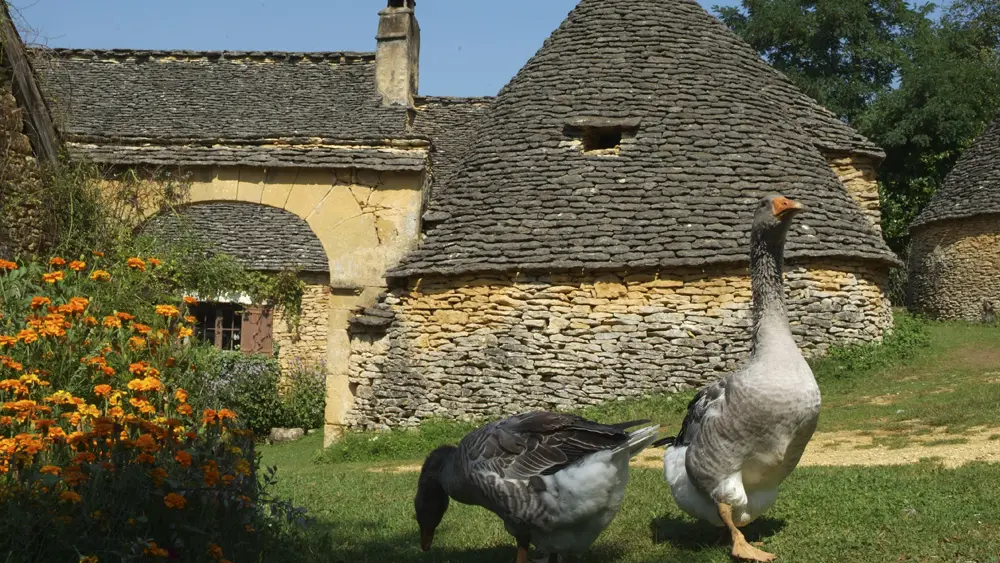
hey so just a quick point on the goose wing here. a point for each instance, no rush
(708, 398)
(539, 443)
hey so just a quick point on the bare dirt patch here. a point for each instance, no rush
(854, 448)
(405, 468)
(977, 357)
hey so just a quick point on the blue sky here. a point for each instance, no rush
(468, 47)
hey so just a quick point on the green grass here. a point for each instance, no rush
(930, 375)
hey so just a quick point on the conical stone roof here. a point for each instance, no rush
(707, 127)
(973, 185)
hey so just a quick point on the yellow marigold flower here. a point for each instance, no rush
(243, 467)
(185, 409)
(7, 265)
(57, 261)
(70, 496)
(102, 390)
(191, 319)
(38, 302)
(183, 458)
(154, 262)
(136, 343)
(77, 265)
(136, 264)
(53, 277)
(184, 332)
(155, 551)
(214, 551)
(174, 500)
(88, 559)
(146, 384)
(167, 311)
(27, 336)
(100, 275)
(50, 469)
(116, 412)
(158, 474)
(111, 321)
(181, 395)
(141, 328)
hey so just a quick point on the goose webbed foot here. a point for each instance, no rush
(741, 547)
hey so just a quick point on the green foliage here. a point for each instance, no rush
(909, 336)
(245, 383)
(283, 290)
(921, 88)
(304, 398)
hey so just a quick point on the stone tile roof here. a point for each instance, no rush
(450, 123)
(707, 127)
(973, 185)
(262, 237)
(121, 94)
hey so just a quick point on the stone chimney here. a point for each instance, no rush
(397, 57)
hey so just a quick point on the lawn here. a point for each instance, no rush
(936, 390)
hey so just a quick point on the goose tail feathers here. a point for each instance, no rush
(641, 439)
(668, 441)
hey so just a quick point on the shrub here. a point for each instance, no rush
(304, 397)
(245, 383)
(101, 452)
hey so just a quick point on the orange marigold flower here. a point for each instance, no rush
(190, 300)
(184, 332)
(136, 264)
(155, 551)
(147, 443)
(87, 457)
(7, 265)
(158, 474)
(136, 343)
(249, 528)
(214, 551)
(111, 321)
(8, 341)
(116, 412)
(90, 321)
(38, 302)
(57, 261)
(145, 458)
(210, 472)
(141, 328)
(154, 262)
(53, 277)
(78, 304)
(70, 496)
(181, 395)
(190, 319)
(88, 559)
(77, 265)
(108, 370)
(97, 253)
(183, 458)
(185, 409)
(124, 316)
(27, 336)
(100, 275)
(103, 390)
(138, 368)
(227, 479)
(226, 413)
(50, 469)
(208, 416)
(174, 500)
(167, 311)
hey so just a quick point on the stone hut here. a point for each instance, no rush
(578, 238)
(954, 261)
(592, 243)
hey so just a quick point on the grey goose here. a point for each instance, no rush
(745, 433)
(556, 480)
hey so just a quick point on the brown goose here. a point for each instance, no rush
(556, 480)
(746, 432)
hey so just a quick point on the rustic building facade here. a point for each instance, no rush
(954, 261)
(581, 237)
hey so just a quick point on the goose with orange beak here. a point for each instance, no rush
(745, 433)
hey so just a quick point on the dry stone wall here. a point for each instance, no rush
(307, 344)
(954, 269)
(463, 346)
(857, 173)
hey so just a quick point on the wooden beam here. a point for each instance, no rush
(40, 128)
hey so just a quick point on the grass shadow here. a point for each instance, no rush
(689, 535)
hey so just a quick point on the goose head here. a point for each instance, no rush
(431, 501)
(774, 215)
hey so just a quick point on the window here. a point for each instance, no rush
(600, 136)
(234, 326)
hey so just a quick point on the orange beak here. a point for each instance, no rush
(426, 538)
(782, 205)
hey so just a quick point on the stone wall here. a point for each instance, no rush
(464, 347)
(954, 269)
(857, 173)
(307, 344)
(25, 214)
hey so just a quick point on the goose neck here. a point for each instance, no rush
(771, 333)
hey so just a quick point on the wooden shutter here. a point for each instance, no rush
(255, 337)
